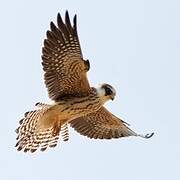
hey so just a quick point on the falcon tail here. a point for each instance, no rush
(30, 137)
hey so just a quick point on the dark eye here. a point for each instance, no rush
(108, 91)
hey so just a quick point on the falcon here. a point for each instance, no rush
(74, 101)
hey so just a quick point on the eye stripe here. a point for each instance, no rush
(108, 91)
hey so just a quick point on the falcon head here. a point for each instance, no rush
(106, 92)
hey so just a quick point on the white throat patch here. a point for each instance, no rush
(100, 91)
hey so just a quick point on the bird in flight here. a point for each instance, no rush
(75, 102)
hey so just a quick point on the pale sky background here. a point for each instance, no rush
(135, 46)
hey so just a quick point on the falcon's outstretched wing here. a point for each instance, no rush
(103, 125)
(65, 69)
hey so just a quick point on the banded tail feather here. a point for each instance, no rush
(30, 137)
(65, 132)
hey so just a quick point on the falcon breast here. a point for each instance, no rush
(75, 102)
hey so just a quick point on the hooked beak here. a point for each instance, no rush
(112, 97)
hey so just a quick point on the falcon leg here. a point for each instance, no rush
(56, 128)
